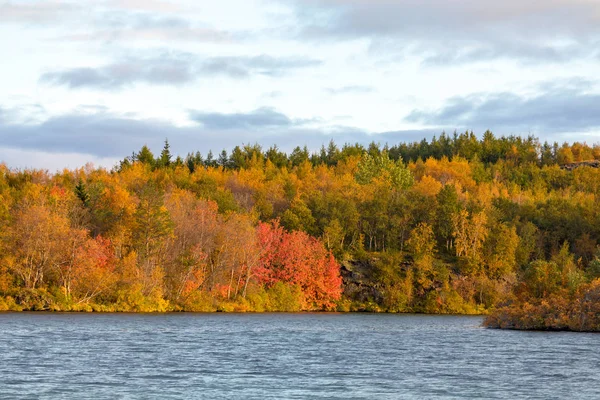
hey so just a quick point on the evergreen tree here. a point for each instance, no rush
(165, 156)
(82, 193)
(277, 157)
(193, 161)
(223, 159)
(178, 162)
(210, 161)
(145, 156)
(333, 153)
(299, 155)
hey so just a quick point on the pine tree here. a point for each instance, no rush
(165, 156)
(210, 162)
(223, 159)
(82, 193)
(145, 156)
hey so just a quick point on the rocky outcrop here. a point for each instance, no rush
(358, 282)
(591, 164)
(361, 284)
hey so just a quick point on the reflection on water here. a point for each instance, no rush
(288, 356)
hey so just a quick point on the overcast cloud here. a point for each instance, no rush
(172, 69)
(559, 109)
(103, 135)
(98, 79)
(462, 31)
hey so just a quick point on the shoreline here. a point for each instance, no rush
(234, 312)
(157, 313)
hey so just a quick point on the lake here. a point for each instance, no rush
(288, 356)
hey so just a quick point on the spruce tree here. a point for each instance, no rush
(82, 193)
(165, 156)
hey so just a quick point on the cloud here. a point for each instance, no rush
(553, 110)
(173, 69)
(460, 31)
(145, 5)
(242, 66)
(560, 108)
(119, 26)
(22, 113)
(114, 20)
(102, 135)
(427, 18)
(351, 89)
(106, 136)
(260, 118)
(165, 70)
(526, 53)
(95, 135)
(24, 159)
(273, 94)
(36, 12)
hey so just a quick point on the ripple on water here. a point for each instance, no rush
(290, 356)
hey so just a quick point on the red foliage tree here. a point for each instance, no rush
(94, 269)
(298, 259)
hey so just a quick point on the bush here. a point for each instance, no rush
(132, 299)
(198, 301)
(285, 297)
(8, 304)
(34, 300)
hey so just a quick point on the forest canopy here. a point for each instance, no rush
(456, 224)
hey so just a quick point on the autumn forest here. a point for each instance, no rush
(503, 226)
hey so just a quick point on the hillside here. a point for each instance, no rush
(453, 225)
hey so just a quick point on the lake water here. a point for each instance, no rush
(288, 356)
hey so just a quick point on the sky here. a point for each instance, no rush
(94, 81)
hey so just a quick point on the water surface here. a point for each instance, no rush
(288, 356)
